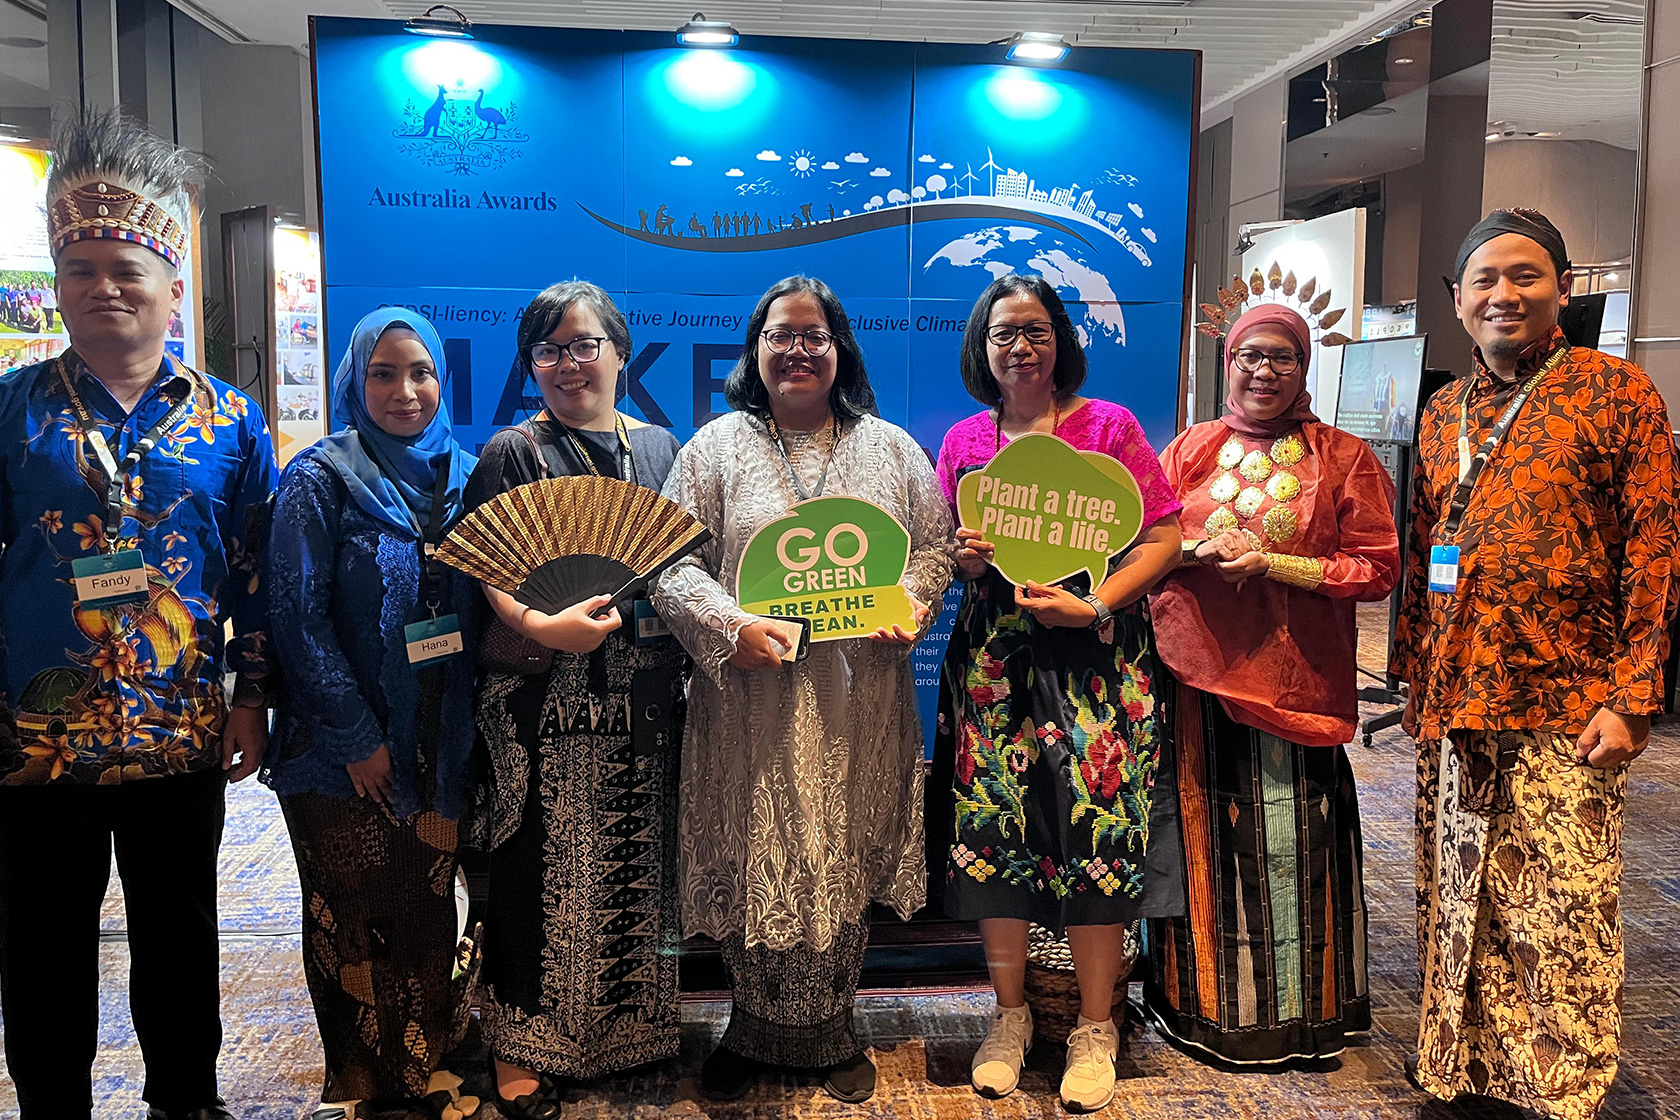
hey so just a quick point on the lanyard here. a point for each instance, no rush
(432, 536)
(1470, 466)
(178, 390)
(793, 475)
(627, 457)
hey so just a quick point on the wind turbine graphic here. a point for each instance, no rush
(969, 177)
(994, 169)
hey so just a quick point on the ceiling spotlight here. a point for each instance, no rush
(1404, 61)
(1612, 277)
(1036, 46)
(1493, 136)
(457, 26)
(703, 32)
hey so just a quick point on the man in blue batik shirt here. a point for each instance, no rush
(132, 491)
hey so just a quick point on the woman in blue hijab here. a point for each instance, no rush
(374, 729)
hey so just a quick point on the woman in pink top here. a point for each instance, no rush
(1064, 808)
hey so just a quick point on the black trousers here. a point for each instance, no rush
(55, 861)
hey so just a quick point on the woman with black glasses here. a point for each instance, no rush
(1063, 785)
(580, 937)
(1290, 524)
(802, 781)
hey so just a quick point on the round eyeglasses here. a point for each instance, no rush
(1283, 362)
(781, 340)
(546, 355)
(1038, 333)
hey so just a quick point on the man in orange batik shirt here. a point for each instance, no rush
(1533, 630)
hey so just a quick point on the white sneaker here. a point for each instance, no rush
(997, 1064)
(1088, 1081)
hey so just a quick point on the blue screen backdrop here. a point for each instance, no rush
(461, 177)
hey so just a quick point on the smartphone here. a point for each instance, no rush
(796, 631)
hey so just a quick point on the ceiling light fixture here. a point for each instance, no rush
(1404, 61)
(703, 32)
(440, 26)
(1036, 46)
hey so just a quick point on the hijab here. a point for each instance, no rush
(391, 478)
(1300, 410)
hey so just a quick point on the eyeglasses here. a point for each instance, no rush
(1005, 334)
(1283, 362)
(546, 355)
(781, 340)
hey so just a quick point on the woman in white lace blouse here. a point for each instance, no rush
(801, 793)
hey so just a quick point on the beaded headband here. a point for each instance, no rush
(104, 209)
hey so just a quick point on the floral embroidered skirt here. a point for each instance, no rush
(1064, 801)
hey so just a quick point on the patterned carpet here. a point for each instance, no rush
(923, 1041)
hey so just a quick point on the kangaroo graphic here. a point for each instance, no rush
(434, 116)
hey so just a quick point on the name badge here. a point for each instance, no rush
(433, 639)
(650, 628)
(112, 580)
(1443, 568)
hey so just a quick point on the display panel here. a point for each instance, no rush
(1381, 379)
(469, 175)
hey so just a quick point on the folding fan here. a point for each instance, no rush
(553, 543)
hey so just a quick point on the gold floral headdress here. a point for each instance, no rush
(1313, 305)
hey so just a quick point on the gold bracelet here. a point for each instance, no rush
(1305, 572)
(1187, 553)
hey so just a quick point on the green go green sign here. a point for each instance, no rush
(1052, 510)
(833, 560)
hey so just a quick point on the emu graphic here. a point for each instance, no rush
(492, 118)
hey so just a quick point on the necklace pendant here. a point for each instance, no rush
(1256, 466)
(1224, 488)
(1231, 454)
(1283, 486)
(1289, 450)
(1250, 500)
(1219, 521)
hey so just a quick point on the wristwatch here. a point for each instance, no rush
(1187, 552)
(1102, 609)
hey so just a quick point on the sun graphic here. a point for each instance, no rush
(801, 164)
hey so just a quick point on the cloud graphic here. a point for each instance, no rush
(1135, 208)
(831, 166)
(1149, 233)
(682, 161)
(925, 159)
(946, 167)
(734, 173)
(768, 156)
(857, 157)
(880, 172)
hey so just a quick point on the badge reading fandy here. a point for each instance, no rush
(433, 639)
(1443, 568)
(112, 580)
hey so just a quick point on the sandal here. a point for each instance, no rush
(544, 1104)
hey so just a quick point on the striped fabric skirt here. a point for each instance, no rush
(1270, 963)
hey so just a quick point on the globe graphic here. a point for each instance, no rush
(1000, 250)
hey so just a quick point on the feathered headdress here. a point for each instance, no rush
(112, 178)
(1313, 305)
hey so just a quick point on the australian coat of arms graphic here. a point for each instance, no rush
(458, 132)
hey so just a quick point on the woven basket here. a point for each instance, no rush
(1052, 990)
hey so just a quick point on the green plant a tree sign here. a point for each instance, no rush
(835, 561)
(1052, 510)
